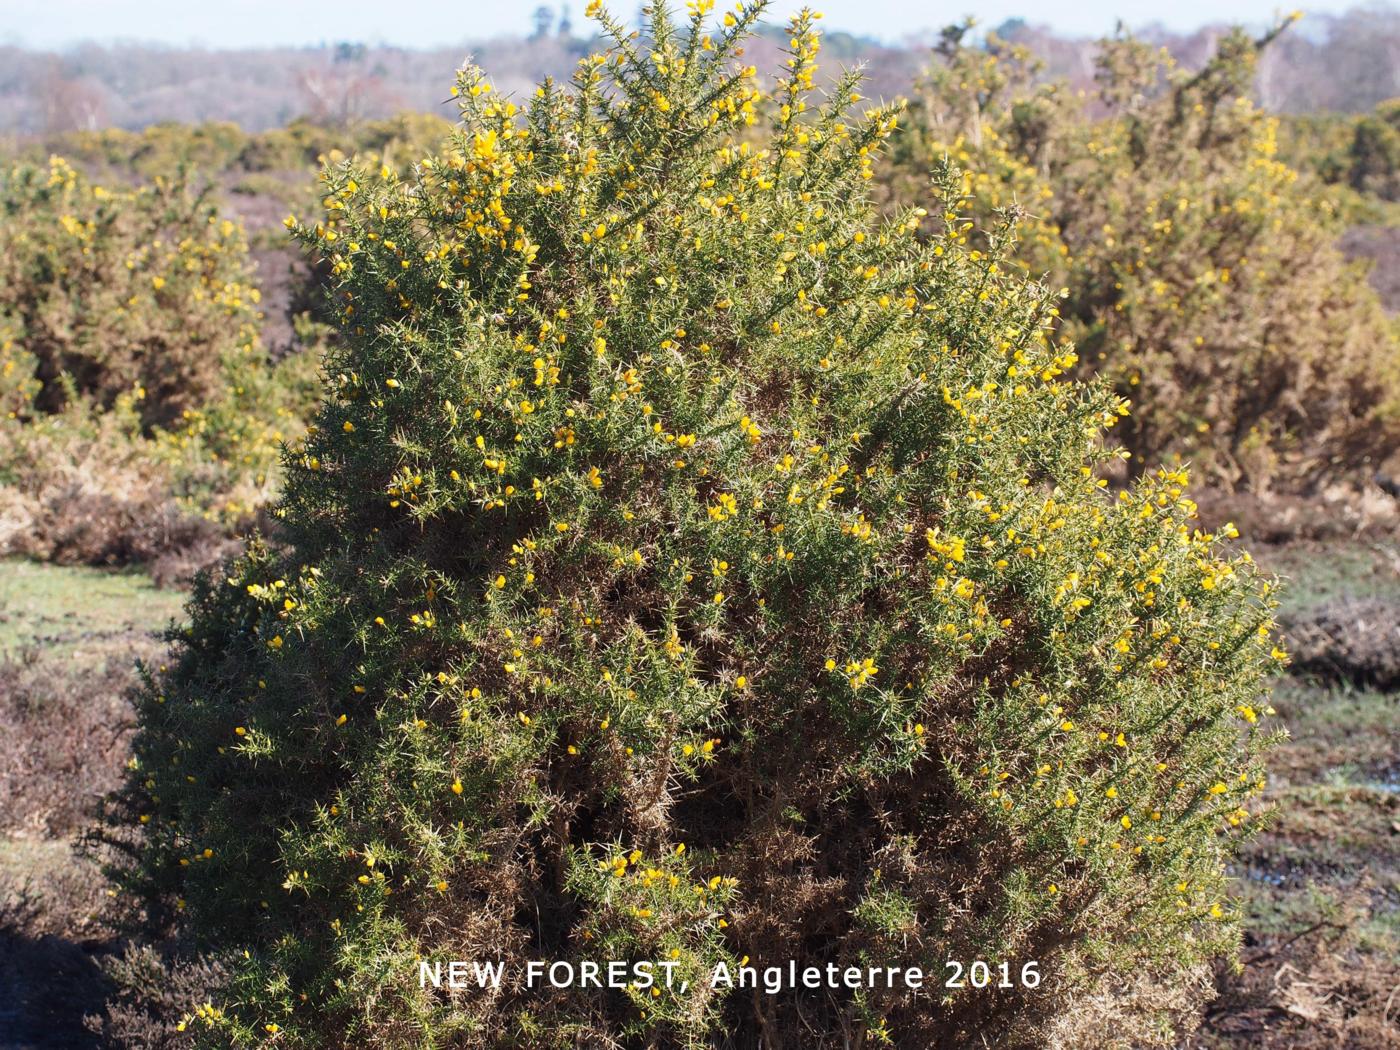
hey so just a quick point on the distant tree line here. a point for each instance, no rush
(1345, 63)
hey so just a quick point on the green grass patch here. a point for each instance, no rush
(1315, 573)
(77, 611)
(1327, 864)
(1340, 734)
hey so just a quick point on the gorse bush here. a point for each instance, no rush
(1359, 153)
(96, 486)
(985, 110)
(1203, 277)
(1372, 160)
(688, 565)
(134, 390)
(119, 290)
(152, 152)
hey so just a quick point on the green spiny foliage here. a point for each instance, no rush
(687, 564)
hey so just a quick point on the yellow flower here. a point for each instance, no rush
(860, 672)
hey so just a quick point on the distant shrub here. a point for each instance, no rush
(155, 150)
(1357, 155)
(304, 143)
(687, 565)
(134, 390)
(1373, 159)
(95, 486)
(1202, 277)
(114, 290)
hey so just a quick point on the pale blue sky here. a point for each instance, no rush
(418, 23)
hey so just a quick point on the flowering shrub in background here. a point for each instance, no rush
(132, 382)
(687, 563)
(1203, 277)
(122, 290)
(1370, 162)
